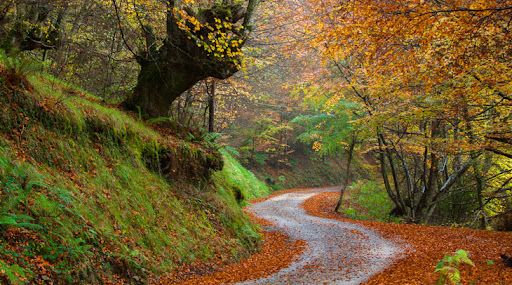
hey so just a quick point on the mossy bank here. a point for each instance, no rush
(90, 194)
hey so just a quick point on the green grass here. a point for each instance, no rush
(235, 176)
(370, 202)
(82, 189)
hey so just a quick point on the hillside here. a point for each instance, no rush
(91, 193)
(255, 142)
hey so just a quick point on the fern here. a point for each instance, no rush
(448, 267)
(211, 137)
(18, 220)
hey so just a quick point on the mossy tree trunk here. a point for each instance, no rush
(180, 62)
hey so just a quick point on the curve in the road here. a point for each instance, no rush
(337, 252)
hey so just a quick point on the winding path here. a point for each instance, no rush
(337, 252)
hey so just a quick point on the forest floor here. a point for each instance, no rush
(306, 242)
(425, 246)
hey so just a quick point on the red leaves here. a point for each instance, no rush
(276, 253)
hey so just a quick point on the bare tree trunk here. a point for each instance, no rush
(384, 174)
(394, 174)
(479, 193)
(211, 108)
(347, 174)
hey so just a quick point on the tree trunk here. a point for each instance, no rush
(182, 61)
(211, 108)
(347, 174)
(161, 81)
(394, 174)
(385, 178)
(479, 192)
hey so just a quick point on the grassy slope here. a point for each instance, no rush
(304, 172)
(241, 180)
(79, 200)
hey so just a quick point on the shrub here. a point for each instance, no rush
(448, 267)
(371, 202)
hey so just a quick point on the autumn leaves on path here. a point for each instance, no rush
(302, 249)
(426, 247)
(306, 242)
(337, 252)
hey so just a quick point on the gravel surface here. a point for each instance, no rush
(337, 252)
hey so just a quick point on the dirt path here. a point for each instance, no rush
(337, 252)
(326, 248)
(426, 245)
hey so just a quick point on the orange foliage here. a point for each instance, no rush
(426, 246)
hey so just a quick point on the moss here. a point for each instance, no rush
(237, 178)
(85, 187)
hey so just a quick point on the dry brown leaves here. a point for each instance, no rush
(428, 245)
(277, 252)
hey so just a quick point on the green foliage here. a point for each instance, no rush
(371, 200)
(21, 64)
(236, 187)
(15, 274)
(210, 139)
(267, 140)
(237, 178)
(246, 233)
(83, 180)
(232, 151)
(260, 158)
(22, 221)
(448, 267)
(327, 131)
(29, 203)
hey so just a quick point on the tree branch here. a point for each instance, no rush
(464, 9)
(118, 16)
(499, 152)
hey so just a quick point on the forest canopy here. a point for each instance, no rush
(432, 80)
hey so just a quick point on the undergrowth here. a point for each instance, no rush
(368, 201)
(91, 194)
(242, 181)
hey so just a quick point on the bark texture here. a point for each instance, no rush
(168, 71)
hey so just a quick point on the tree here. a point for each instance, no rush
(433, 78)
(27, 25)
(329, 130)
(200, 41)
(211, 106)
